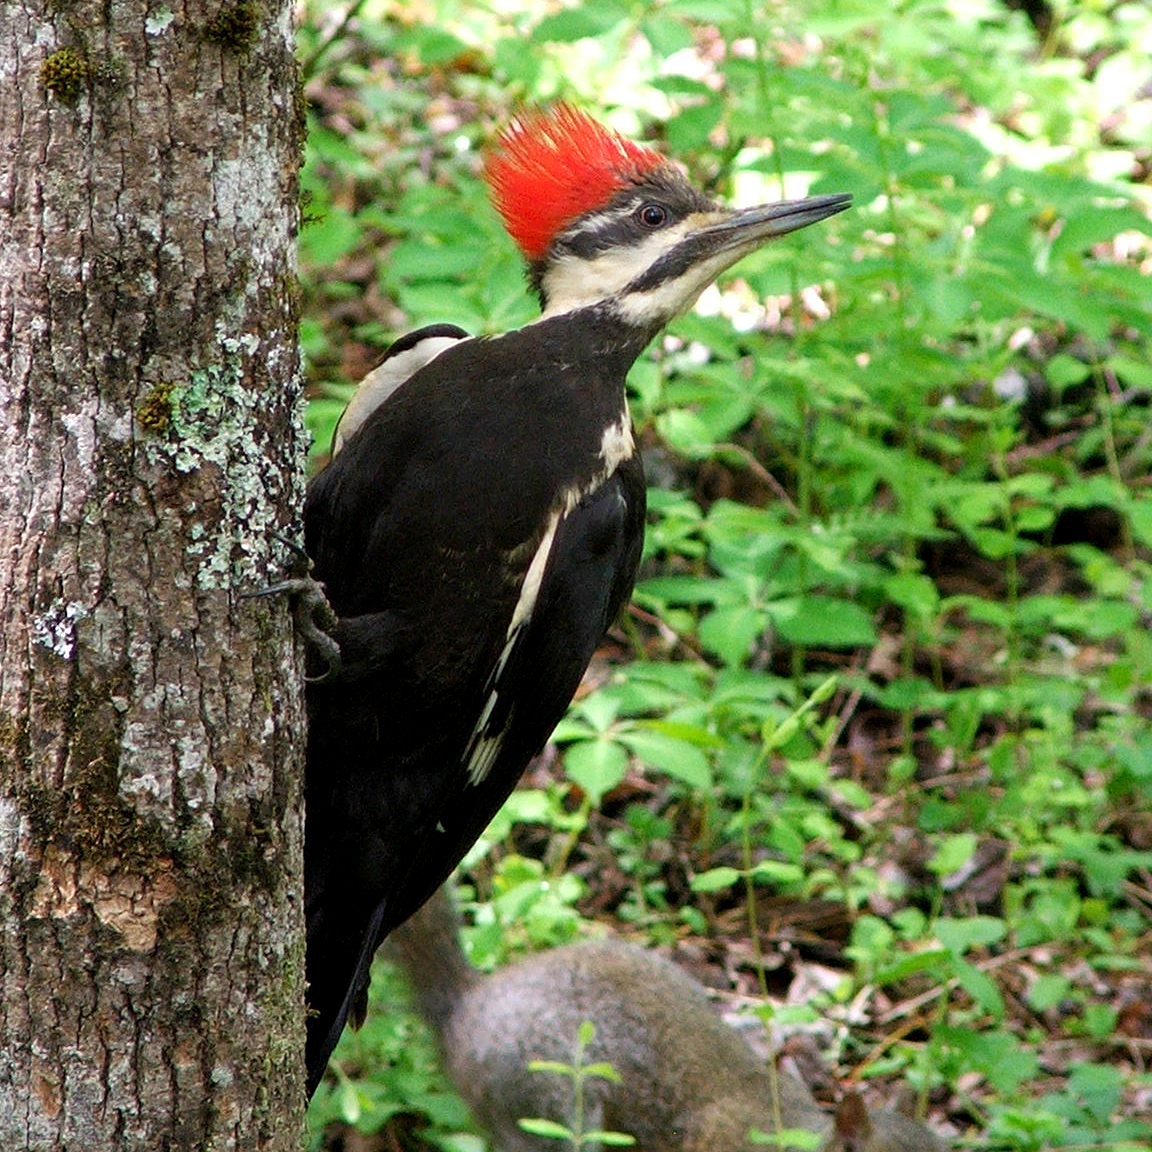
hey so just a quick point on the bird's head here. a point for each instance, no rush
(605, 221)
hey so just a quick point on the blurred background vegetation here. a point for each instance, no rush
(874, 738)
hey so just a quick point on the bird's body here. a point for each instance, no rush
(412, 698)
(478, 530)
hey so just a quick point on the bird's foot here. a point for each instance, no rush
(315, 619)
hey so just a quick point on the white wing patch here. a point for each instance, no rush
(383, 380)
(616, 446)
(484, 744)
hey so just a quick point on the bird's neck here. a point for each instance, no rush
(597, 331)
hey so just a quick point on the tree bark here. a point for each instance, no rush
(151, 721)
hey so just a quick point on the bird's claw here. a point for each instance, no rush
(315, 619)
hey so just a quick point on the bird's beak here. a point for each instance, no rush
(748, 228)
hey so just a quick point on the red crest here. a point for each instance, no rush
(550, 167)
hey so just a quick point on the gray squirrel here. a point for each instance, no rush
(687, 1081)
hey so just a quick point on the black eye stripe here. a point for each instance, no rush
(622, 222)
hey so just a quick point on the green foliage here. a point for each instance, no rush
(387, 1069)
(794, 1139)
(573, 1133)
(891, 645)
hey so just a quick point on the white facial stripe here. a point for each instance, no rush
(672, 297)
(574, 282)
(595, 221)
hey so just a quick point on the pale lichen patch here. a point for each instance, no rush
(13, 831)
(55, 629)
(210, 427)
(157, 23)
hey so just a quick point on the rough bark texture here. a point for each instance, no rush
(150, 719)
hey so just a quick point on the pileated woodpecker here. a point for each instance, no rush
(479, 527)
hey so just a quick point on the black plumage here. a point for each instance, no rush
(423, 530)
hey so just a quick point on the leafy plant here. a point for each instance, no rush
(574, 1133)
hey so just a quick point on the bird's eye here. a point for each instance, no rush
(652, 215)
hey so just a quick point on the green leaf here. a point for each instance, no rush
(716, 879)
(679, 758)
(602, 1070)
(822, 621)
(424, 257)
(1099, 1020)
(797, 1139)
(582, 23)
(853, 794)
(600, 709)
(328, 237)
(777, 872)
(705, 11)
(432, 44)
(350, 1101)
(998, 1056)
(597, 766)
(962, 934)
(693, 734)
(690, 590)
(731, 632)
(610, 1139)
(1140, 519)
(668, 37)
(553, 1067)
(953, 853)
(1048, 990)
(1100, 1088)
(547, 1128)
(686, 433)
(928, 961)
(321, 418)
(913, 592)
(807, 773)
(979, 986)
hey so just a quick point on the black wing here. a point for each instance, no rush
(392, 811)
(425, 546)
(589, 576)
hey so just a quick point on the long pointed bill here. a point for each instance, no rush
(711, 242)
(748, 228)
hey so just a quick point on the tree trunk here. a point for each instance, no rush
(151, 730)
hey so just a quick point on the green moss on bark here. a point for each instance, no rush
(65, 74)
(236, 27)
